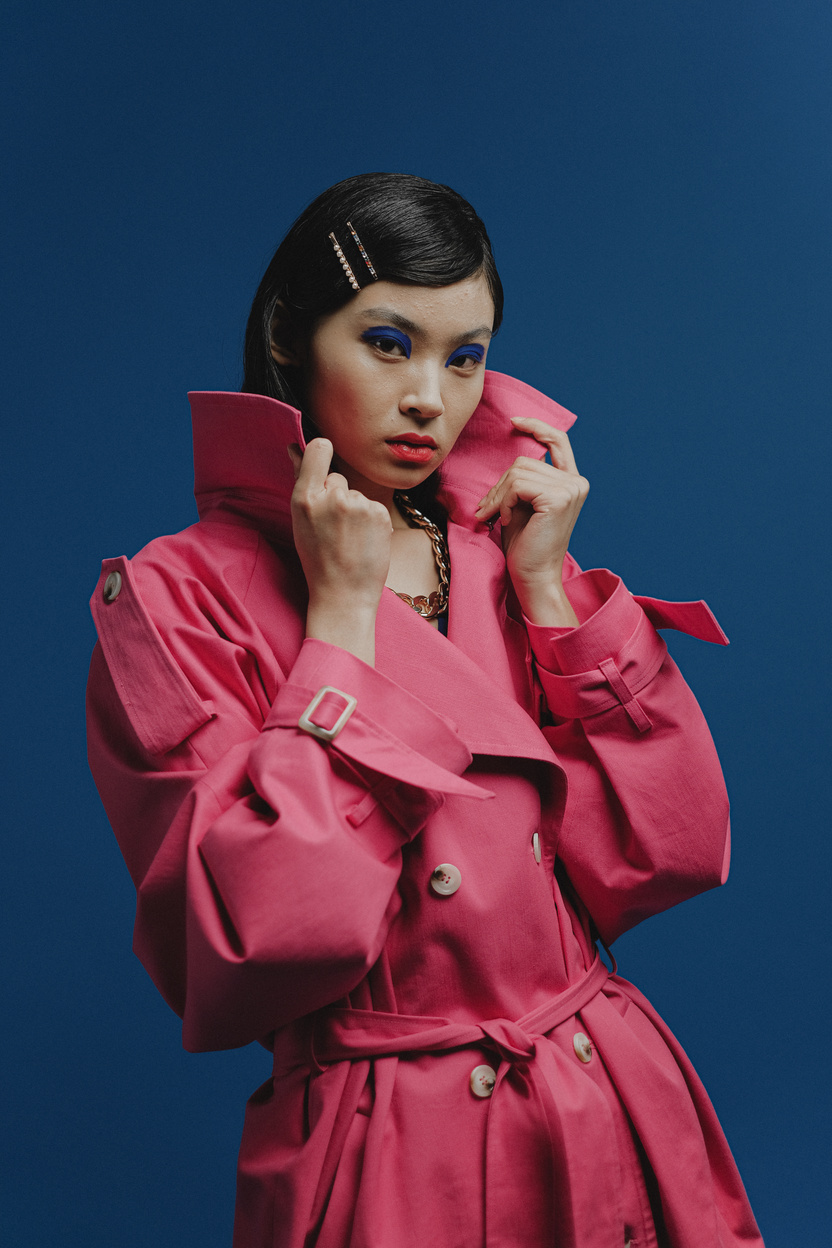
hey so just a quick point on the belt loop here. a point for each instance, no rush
(635, 712)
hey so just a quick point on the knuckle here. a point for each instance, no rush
(302, 500)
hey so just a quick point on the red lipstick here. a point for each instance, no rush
(413, 448)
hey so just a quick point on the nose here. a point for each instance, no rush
(423, 398)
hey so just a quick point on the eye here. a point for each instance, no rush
(388, 341)
(466, 358)
(390, 346)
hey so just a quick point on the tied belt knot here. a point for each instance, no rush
(557, 1104)
(509, 1040)
(340, 1034)
(546, 1117)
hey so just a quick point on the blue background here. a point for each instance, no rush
(656, 180)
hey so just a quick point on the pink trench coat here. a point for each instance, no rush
(564, 780)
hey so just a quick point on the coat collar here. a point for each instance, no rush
(241, 464)
(482, 669)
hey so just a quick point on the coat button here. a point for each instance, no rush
(536, 848)
(582, 1046)
(112, 587)
(446, 879)
(482, 1080)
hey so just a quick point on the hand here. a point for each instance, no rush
(538, 505)
(343, 541)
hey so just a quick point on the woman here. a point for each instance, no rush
(388, 853)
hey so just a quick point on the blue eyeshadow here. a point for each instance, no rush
(387, 331)
(473, 349)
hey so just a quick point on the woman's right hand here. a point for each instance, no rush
(343, 541)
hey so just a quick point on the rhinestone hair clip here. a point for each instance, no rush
(364, 255)
(345, 264)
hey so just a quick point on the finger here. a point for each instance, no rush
(555, 440)
(499, 502)
(376, 510)
(527, 473)
(336, 483)
(314, 466)
(532, 486)
(489, 503)
(534, 471)
(507, 504)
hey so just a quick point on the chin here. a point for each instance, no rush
(400, 476)
(409, 480)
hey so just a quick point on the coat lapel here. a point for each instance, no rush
(478, 677)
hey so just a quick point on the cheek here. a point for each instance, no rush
(339, 407)
(329, 399)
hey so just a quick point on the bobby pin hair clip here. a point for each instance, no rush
(345, 265)
(364, 255)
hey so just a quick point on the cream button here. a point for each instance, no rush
(112, 587)
(582, 1046)
(482, 1080)
(536, 847)
(446, 879)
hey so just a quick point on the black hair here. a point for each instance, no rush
(416, 232)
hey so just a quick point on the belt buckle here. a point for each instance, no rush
(327, 734)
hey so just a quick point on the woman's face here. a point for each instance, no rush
(393, 377)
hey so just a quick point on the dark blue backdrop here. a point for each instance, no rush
(656, 179)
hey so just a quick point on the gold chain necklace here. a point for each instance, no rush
(429, 606)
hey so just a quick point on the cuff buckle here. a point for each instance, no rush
(326, 734)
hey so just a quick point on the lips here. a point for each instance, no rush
(414, 448)
(415, 439)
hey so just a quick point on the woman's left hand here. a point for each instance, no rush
(538, 505)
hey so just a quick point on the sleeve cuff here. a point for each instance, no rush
(615, 650)
(603, 663)
(390, 731)
(607, 616)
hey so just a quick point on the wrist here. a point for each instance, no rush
(547, 605)
(352, 627)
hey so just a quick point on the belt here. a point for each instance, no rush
(551, 1150)
(345, 1035)
(557, 1137)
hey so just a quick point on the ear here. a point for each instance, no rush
(283, 346)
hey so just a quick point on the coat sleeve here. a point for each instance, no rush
(266, 859)
(646, 822)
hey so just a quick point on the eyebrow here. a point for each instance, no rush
(410, 327)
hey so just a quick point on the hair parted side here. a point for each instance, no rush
(416, 232)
